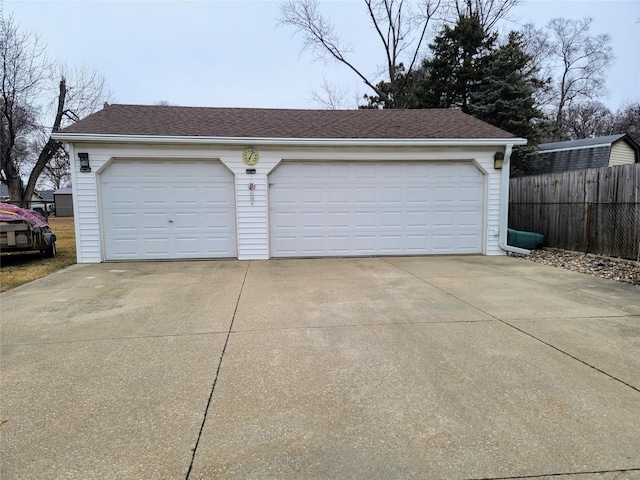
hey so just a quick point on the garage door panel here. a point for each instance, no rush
(311, 220)
(339, 172)
(364, 195)
(154, 171)
(377, 208)
(392, 219)
(339, 196)
(417, 195)
(155, 246)
(469, 219)
(313, 196)
(339, 244)
(123, 222)
(218, 222)
(167, 209)
(468, 242)
(311, 244)
(443, 218)
(443, 195)
(366, 220)
(393, 196)
(418, 243)
(443, 243)
(471, 195)
(152, 222)
(392, 243)
(186, 196)
(417, 219)
(339, 220)
(364, 244)
(123, 196)
(153, 196)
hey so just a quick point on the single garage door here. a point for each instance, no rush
(375, 208)
(167, 209)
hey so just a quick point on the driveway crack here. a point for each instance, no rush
(215, 379)
(571, 356)
(504, 322)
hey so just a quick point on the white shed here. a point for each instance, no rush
(164, 182)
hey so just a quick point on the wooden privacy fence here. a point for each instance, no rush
(595, 210)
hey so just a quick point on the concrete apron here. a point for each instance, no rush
(424, 367)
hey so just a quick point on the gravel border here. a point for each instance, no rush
(619, 270)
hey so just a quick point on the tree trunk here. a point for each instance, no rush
(50, 148)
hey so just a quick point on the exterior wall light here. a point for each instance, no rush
(84, 162)
(498, 160)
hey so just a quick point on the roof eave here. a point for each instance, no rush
(294, 142)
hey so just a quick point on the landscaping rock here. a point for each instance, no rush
(605, 267)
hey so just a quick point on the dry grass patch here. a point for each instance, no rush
(19, 268)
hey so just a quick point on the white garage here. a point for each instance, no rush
(167, 209)
(375, 208)
(167, 182)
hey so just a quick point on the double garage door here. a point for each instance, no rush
(166, 209)
(375, 208)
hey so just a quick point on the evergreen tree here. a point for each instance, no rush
(454, 71)
(505, 97)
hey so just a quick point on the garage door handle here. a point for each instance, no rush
(170, 221)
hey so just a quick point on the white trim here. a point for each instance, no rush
(74, 203)
(295, 142)
(504, 206)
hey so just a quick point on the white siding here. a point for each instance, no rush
(252, 214)
(252, 219)
(622, 154)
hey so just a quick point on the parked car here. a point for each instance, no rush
(24, 230)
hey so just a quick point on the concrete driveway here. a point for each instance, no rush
(429, 367)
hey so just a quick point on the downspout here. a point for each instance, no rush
(504, 205)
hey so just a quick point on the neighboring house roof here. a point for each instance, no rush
(37, 196)
(570, 155)
(46, 195)
(64, 191)
(170, 121)
(584, 142)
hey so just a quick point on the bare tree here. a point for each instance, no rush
(25, 134)
(25, 65)
(576, 61)
(627, 120)
(402, 28)
(587, 120)
(332, 97)
(489, 12)
(56, 173)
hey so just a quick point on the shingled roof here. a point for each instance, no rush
(168, 121)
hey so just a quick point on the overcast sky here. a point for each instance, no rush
(234, 54)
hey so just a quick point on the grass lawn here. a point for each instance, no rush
(19, 268)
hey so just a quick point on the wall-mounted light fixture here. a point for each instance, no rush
(498, 160)
(84, 162)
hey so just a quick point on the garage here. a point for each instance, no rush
(163, 182)
(375, 208)
(167, 209)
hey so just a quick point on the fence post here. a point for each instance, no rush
(588, 232)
